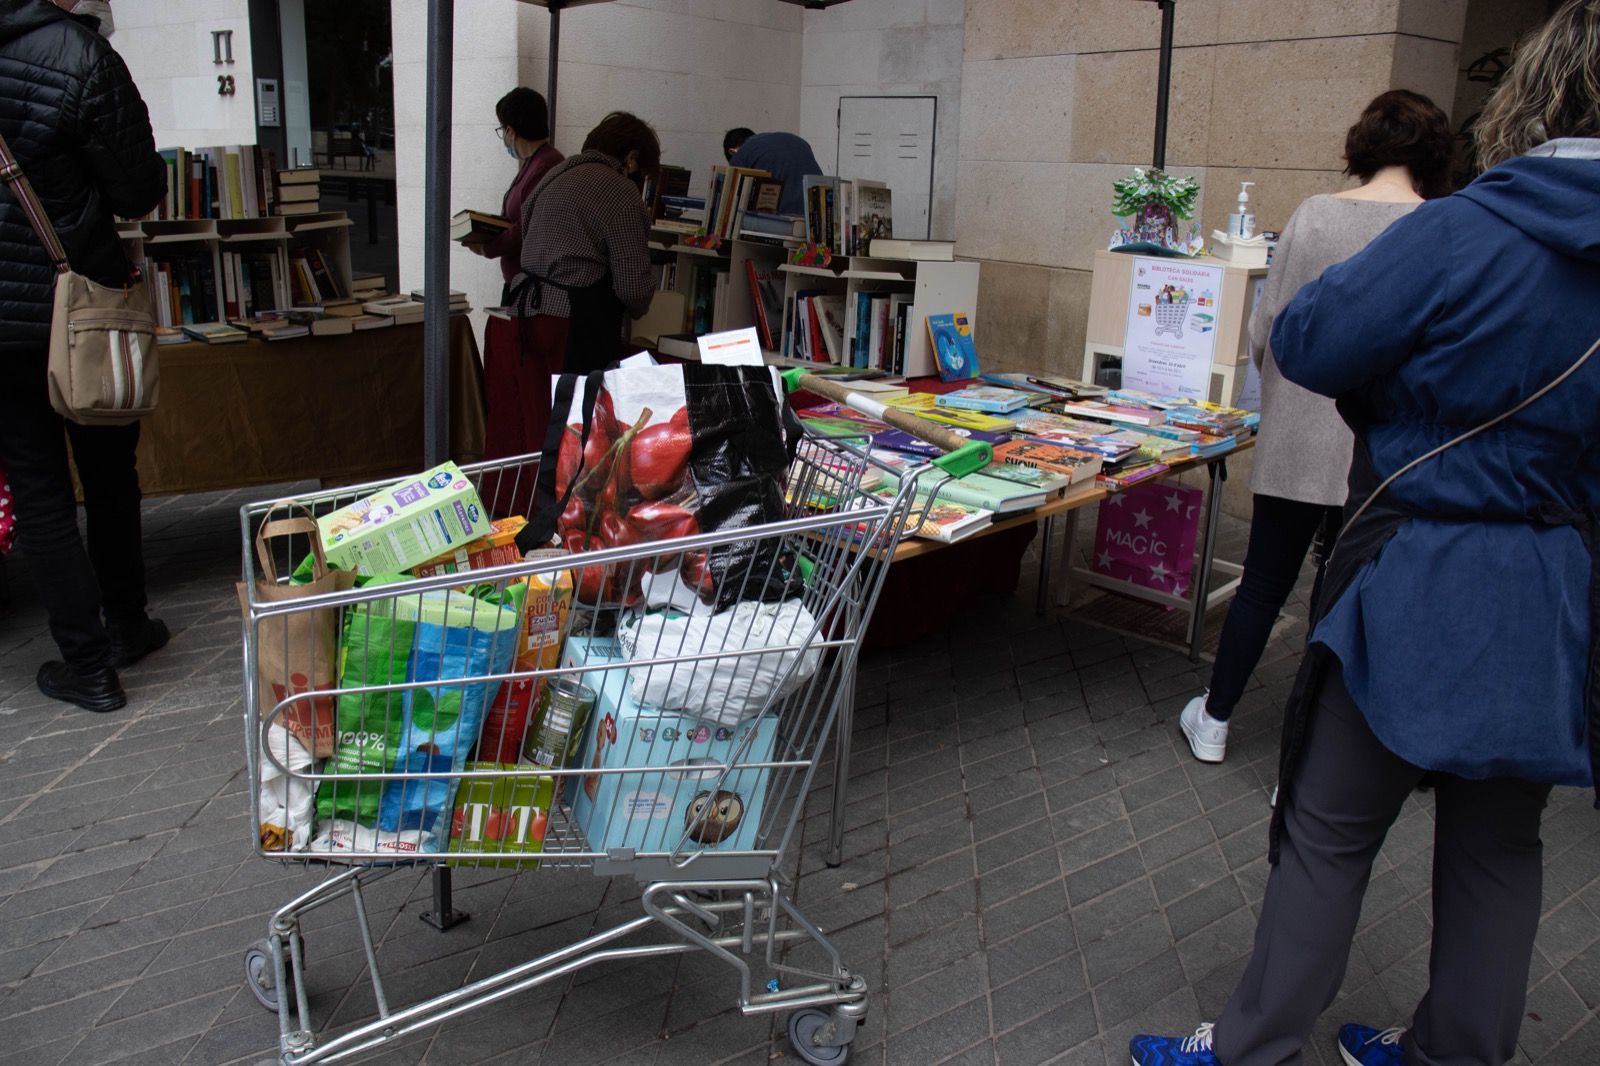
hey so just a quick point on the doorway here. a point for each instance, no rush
(891, 139)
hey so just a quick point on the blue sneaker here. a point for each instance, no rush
(1362, 1045)
(1174, 1050)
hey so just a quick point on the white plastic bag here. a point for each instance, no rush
(725, 690)
(341, 836)
(286, 802)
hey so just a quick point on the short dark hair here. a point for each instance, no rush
(1403, 128)
(734, 138)
(620, 133)
(525, 112)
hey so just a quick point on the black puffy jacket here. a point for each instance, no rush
(75, 122)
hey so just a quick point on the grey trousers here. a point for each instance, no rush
(1487, 885)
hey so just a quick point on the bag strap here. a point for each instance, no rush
(1468, 435)
(273, 528)
(11, 173)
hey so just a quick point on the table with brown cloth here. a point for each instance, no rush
(339, 410)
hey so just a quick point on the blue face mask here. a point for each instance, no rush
(511, 150)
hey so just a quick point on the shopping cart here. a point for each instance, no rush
(702, 808)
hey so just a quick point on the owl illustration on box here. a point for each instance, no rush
(712, 817)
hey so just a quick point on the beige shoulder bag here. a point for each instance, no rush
(103, 367)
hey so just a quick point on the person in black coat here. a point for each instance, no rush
(81, 134)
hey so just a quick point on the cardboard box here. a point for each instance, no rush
(406, 524)
(503, 815)
(649, 812)
(498, 548)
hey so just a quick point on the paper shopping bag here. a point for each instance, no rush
(297, 652)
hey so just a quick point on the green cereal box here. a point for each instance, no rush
(406, 524)
(501, 815)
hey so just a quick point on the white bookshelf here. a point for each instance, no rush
(935, 288)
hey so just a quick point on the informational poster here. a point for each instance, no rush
(1172, 327)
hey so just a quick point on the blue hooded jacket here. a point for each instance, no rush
(1465, 640)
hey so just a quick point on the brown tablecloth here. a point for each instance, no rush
(335, 409)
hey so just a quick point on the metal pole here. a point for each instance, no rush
(435, 241)
(1164, 83)
(1216, 474)
(555, 57)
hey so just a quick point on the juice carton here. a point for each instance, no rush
(406, 524)
(497, 548)
(503, 815)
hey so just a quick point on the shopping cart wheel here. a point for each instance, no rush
(804, 1025)
(260, 976)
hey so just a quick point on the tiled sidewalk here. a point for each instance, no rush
(1035, 868)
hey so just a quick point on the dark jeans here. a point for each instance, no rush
(74, 584)
(1281, 532)
(1487, 887)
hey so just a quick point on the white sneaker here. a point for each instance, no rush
(1208, 738)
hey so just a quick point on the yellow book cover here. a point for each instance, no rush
(235, 187)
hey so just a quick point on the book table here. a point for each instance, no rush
(338, 409)
(1202, 597)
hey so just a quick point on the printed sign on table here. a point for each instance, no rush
(1146, 536)
(1172, 327)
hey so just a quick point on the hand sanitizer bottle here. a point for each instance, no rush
(1242, 223)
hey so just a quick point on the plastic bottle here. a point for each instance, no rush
(1242, 223)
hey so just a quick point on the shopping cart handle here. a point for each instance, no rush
(967, 459)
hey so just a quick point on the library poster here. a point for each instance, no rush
(1172, 327)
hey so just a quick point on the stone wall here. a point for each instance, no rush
(1058, 99)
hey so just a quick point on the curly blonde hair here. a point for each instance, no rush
(1552, 89)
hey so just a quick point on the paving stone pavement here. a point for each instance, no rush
(1035, 867)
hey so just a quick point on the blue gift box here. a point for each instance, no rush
(650, 811)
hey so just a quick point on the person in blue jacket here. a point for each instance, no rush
(1459, 635)
(783, 155)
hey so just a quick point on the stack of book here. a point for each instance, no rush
(368, 286)
(299, 191)
(474, 228)
(459, 304)
(400, 310)
(215, 333)
(847, 215)
(253, 282)
(224, 182)
(312, 281)
(989, 398)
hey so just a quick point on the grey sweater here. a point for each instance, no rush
(1303, 451)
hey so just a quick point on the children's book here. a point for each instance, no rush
(1074, 464)
(950, 337)
(943, 520)
(898, 440)
(989, 398)
(981, 490)
(1110, 412)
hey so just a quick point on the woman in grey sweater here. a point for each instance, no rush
(1401, 151)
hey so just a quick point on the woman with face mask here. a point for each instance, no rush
(524, 130)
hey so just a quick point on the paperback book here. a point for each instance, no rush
(1074, 464)
(989, 398)
(950, 337)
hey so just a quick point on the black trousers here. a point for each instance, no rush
(1487, 885)
(1281, 532)
(74, 584)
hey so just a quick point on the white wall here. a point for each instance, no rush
(691, 68)
(168, 49)
(887, 48)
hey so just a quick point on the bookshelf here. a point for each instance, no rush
(933, 288)
(214, 257)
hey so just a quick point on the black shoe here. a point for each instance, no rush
(130, 644)
(97, 691)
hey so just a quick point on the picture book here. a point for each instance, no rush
(955, 416)
(975, 490)
(1051, 484)
(898, 440)
(950, 337)
(216, 333)
(1075, 464)
(942, 520)
(1110, 412)
(1122, 479)
(989, 398)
